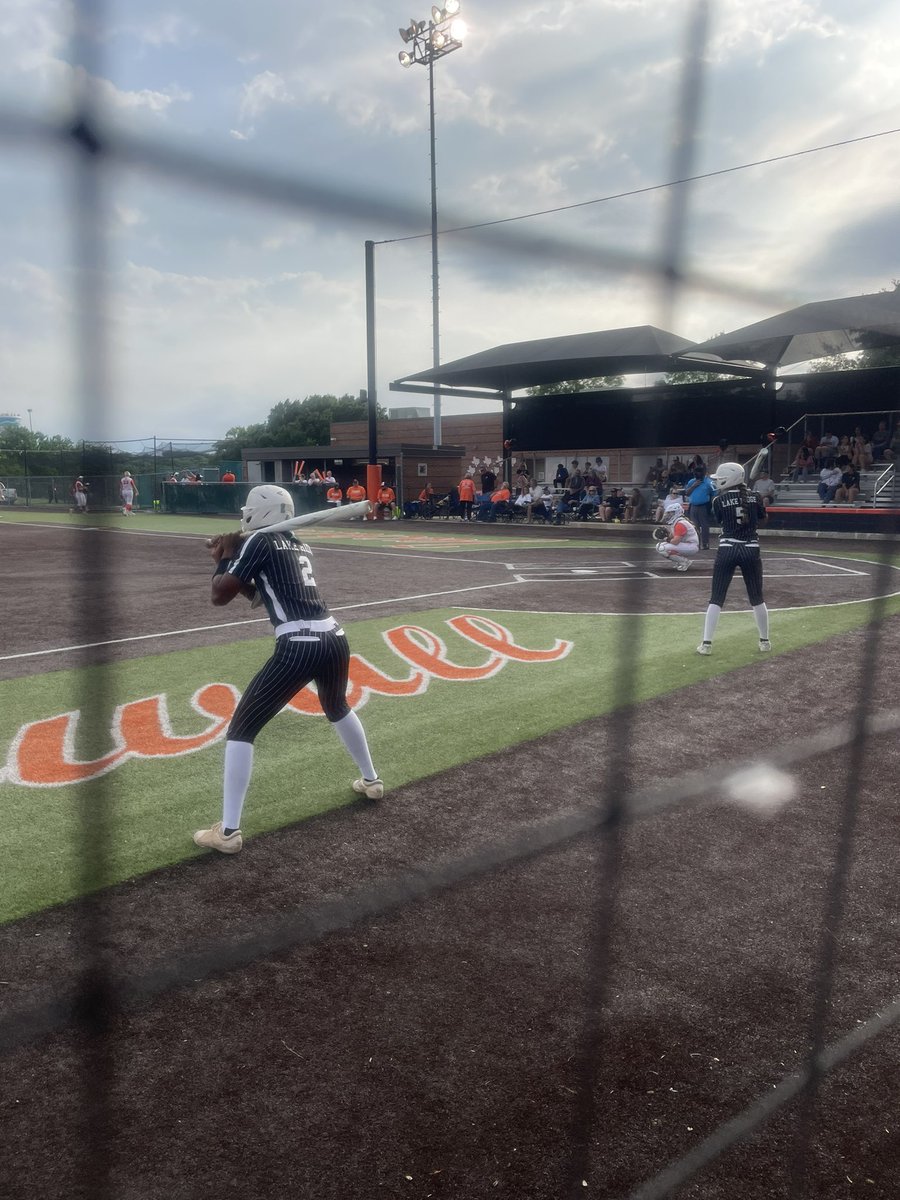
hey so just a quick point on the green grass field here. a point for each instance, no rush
(146, 808)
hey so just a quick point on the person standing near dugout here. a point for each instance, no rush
(310, 646)
(739, 511)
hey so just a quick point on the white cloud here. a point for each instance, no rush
(223, 307)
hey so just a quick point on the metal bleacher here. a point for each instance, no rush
(879, 488)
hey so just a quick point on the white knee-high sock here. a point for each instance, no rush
(711, 621)
(238, 769)
(350, 730)
(761, 613)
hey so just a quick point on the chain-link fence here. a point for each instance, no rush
(98, 151)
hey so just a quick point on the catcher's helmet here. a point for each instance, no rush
(266, 505)
(672, 510)
(728, 475)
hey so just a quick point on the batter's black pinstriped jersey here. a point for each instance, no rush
(281, 568)
(739, 513)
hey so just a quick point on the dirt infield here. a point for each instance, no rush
(467, 1045)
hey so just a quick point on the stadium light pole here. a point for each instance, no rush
(426, 42)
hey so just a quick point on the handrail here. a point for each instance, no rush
(881, 483)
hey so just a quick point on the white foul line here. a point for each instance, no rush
(143, 637)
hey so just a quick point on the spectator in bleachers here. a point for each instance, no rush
(667, 503)
(522, 482)
(862, 455)
(892, 452)
(804, 462)
(881, 441)
(848, 489)
(541, 506)
(488, 479)
(827, 448)
(844, 448)
(561, 478)
(829, 481)
(678, 472)
(589, 508)
(764, 487)
(694, 464)
(637, 508)
(614, 508)
(571, 497)
(654, 474)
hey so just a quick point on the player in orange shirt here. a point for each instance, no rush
(356, 492)
(334, 495)
(466, 488)
(386, 500)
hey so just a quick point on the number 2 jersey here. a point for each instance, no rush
(281, 569)
(739, 512)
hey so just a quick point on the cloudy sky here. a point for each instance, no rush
(219, 306)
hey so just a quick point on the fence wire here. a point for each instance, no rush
(94, 150)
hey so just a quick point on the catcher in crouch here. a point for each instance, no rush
(309, 645)
(739, 510)
(679, 540)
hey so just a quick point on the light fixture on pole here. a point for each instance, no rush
(427, 41)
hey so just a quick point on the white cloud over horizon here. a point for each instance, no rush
(219, 308)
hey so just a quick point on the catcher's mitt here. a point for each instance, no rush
(660, 534)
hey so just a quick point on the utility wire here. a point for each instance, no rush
(653, 187)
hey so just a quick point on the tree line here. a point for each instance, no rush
(289, 423)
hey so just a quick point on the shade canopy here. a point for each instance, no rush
(517, 365)
(811, 331)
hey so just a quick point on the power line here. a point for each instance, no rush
(654, 187)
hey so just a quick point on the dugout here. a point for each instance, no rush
(737, 403)
(406, 467)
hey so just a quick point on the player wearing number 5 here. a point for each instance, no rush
(739, 510)
(310, 646)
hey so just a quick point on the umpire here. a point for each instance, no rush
(739, 511)
(310, 646)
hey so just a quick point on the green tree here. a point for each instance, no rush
(296, 423)
(596, 383)
(872, 355)
(240, 437)
(50, 454)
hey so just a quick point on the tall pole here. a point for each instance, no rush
(373, 470)
(435, 289)
(370, 353)
(426, 41)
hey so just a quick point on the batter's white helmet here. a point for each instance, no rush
(266, 505)
(728, 475)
